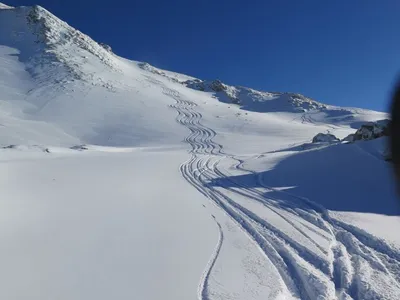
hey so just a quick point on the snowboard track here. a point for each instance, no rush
(334, 272)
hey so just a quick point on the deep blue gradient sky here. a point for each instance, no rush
(339, 52)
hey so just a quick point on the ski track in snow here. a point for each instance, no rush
(336, 274)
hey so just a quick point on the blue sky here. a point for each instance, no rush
(339, 52)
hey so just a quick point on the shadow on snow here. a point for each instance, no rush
(341, 178)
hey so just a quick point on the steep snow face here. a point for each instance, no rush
(62, 88)
(3, 6)
(42, 39)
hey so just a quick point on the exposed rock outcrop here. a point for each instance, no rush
(325, 138)
(350, 138)
(218, 86)
(107, 47)
(369, 131)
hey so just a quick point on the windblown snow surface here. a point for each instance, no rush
(123, 181)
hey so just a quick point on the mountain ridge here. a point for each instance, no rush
(72, 77)
(54, 32)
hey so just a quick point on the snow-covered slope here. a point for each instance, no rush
(62, 88)
(3, 6)
(52, 69)
(122, 180)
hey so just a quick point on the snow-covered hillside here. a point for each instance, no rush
(122, 180)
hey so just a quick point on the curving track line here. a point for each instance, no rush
(307, 274)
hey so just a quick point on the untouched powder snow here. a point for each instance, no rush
(122, 180)
(76, 229)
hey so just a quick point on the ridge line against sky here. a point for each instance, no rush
(336, 52)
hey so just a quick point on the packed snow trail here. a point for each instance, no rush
(308, 269)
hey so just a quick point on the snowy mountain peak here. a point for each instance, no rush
(48, 44)
(3, 6)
